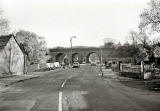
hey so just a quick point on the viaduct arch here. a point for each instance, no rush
(83, 53)
(89, 54)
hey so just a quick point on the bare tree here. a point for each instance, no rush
(109, 43)
(151, 16)
(42, 49)
(34, 46)
(143, 39)
(133, 37)
(156, 40)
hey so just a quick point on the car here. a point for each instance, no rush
(56, 64)
(75, 65)
(83, 63)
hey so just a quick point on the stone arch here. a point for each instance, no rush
(60, 57)
(89, 54)
(77, 57)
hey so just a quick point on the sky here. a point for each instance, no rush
(91, 21)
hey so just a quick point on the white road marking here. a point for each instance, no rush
(60, 102)
(60, 95)
(64, 83)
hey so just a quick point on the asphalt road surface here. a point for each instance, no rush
(79, 89)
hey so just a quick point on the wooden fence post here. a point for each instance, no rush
(119, 65)
(120, 68)
(142, 69)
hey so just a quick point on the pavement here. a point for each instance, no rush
(77, 89)
(150, 84)
(6, 81)
(115, 75)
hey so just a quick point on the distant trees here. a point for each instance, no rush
(109, 43)
(4, 25)
(127, 50)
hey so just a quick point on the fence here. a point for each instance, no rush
(136, 71)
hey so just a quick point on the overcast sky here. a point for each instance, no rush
(90, 20)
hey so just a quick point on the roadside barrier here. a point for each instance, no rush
(136, 71)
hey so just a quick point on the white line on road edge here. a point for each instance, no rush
(60, 102)
(64, 83)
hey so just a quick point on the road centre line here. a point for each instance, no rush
(64, 83)
(60, 102)
(60, 95)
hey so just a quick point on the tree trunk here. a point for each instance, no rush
(10, 58)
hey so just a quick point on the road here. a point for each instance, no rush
(79, 89)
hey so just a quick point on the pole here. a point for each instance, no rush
(71, 47)
(101, 56)
(101, 63)
(71, 50)
(142, 70)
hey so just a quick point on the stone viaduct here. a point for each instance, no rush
(83, 53)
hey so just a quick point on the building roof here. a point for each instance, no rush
(4, 40)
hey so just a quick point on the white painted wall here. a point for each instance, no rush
(12, 53)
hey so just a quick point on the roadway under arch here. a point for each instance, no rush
(92, 57)
(60, 57)
(77, 57)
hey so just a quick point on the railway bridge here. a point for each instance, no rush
(82, 54)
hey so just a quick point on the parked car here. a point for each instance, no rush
(83, 63)
(56, 64)
(75, 65)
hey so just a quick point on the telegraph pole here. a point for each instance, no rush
(71, 47)
(101, 56)
(101, 62)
